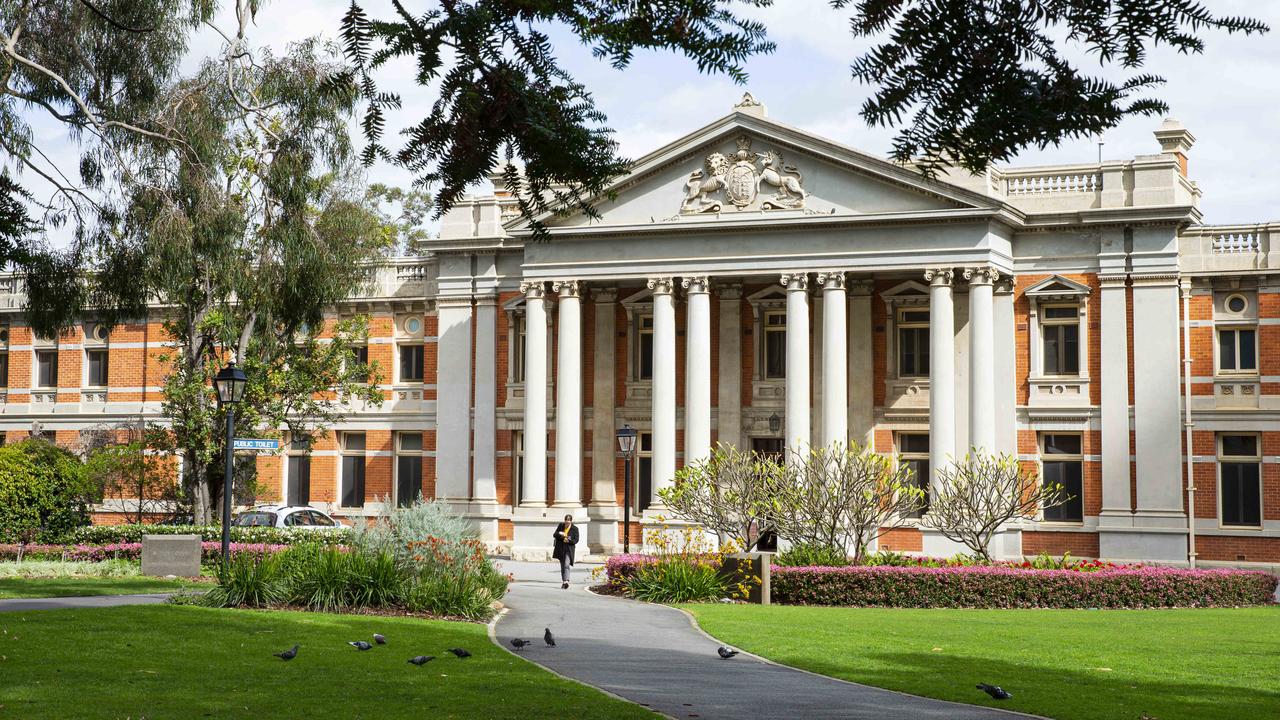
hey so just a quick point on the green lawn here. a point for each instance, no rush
(160, 661)
(38, 587)
(1064, 664)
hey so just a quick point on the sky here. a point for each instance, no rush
(1229, 97)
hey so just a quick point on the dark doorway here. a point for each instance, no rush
(768, 447)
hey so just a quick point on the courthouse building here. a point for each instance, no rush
(754, 284)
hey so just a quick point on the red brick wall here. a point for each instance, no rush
(1079, 544)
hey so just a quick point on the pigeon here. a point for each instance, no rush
(289, 654)
(549, 638)
(460, 652)
(726, 653)
(995, 691)
(421, 660)
(519, 644)
(359, 645)
(380, 639)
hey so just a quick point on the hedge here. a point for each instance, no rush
(44, 492)
(1004, 587)
(123, 551)
(106, 534)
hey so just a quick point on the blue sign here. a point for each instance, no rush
(254, 444)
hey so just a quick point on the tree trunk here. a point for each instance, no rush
(198, 484)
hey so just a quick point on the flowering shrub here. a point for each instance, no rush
(104, 534)
(1009, 587)
(1043, 561)
(684, 567)
(209, 551)
(619, 569)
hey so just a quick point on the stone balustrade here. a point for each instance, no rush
(1229, 248)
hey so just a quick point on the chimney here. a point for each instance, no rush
(1175, 139)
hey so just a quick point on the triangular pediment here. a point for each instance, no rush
(748, 168)
(1057, 286)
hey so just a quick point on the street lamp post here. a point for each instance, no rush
(627, 445)
(229, 384)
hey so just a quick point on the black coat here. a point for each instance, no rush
(564, 547)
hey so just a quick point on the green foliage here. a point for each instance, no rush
(732, 492)
(108, 534)
(44, 493)
(119, 465)
(674, 581)
(502, 93)
(60, 568)
(979, 81)
(399, 529)
(812, 555)
(251, 580)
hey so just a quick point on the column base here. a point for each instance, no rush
(532, 529)
(483, 514)
(602, 533)
(1005, 544)
(1167, 546)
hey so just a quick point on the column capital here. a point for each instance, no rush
(1119, 280)
(604, 296)
(939, 276)
(1004, 285)
(696, 284)
(533, 290)
(986, 275)
(488, 299)
(795, 281)
(661, 285)
(729, 291)
(831, 279)
(567, 288)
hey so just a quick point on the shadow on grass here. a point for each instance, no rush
(1054, 692)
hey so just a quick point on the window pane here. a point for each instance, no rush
(1241, 503)
(319, 519)
(1248, 354)
(1246, 445)
(906, 352)
(4, 369)
(644, 481)
(353, 481)
(913, 443)
(1227, 349)
(299, 482)
(408, 480)
(775, 361)
(47, 370)
(411, 363)
(353, 440)
(646, 442)
(1052, 350)
(920, 475)
(97, 368)
(521, 345)
(915, 316)
(1062, 444)
(1070, 349)
(1061, 313)
(646, 356)
(1070, 475)
(411, 441)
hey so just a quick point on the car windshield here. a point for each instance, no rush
(257, 519)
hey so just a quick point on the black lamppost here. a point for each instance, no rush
(229, 384)
(627, 445)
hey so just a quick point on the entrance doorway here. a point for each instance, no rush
(768, 447)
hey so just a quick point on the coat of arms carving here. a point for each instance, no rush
(739, 180)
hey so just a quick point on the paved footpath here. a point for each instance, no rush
(95, 601)
(653, 655)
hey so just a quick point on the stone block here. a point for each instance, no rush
(171, 555)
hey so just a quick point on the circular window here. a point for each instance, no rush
(4, 335)
(1236, 304)
(413, 326)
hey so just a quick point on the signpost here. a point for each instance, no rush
(254, 444)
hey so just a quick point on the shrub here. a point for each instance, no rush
(1006, 587)
(810, 555)
(132, 533)
(250, 580)
(684, 568)
(397, 530)
(44, 493)
(69, 568)
(321, 578)
(621, 568)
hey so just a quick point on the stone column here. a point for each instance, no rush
(1006, 399)
(664, 387)
(602, 533)
(535, 395)
(1157, 412)
(453, 399)
(942, 359)
(797, 402)
(729, 408)
(1114, 321)
(697, 404)
(835, 359)
(982, 377)
(569, 395)
(484, 487)
(861, 363)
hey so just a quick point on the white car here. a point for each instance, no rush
(287, 516)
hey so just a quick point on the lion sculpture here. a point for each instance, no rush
(699, 185)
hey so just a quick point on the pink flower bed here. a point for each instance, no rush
(1007, 587)
(618, 568)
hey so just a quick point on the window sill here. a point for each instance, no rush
(1059, 390)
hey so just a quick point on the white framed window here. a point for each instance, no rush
(774, 345)
(519, 346)
(643, 472)
(1060, 339)
(644, 347)
(408, 467)
(298, 472)
(412, 362)
(1062, 462)
(1240, 480)
(353, 467)
(46, 369)
(1237, 350)
(913, 342)
(913, 451)
(96, 367)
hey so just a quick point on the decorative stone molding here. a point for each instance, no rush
(729, 291)
(533, 290)
(981, 275)
(604, 296)
(939, 276)
(661, 285)
(93, 396)
(795, 281)
(748, 101)
(860, 287)
(567, 288)
(454, 301)
(44, 397)
(832, 279)
(696, 284)
(737, 182)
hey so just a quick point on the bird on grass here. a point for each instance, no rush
(726, 653)
(995, 691)
(518, 644)
(359, 645)
(421, 660)
(460, 652)
(289, 654)
(380, 639)
(549, 638)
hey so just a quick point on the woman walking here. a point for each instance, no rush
(566, 537)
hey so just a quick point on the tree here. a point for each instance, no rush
(405, 228)
(43, 492)
(979, 79)
(730, 493)
(844, 497)
(973, 498)
(132, 462)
